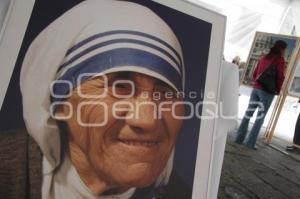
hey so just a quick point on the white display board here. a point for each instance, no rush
(5, 9)
(15, 15)
(227, 122)
(200, 32)
(208, 129)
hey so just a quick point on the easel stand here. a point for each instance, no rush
(282, 96)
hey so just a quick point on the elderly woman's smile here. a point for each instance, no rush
(131, 151)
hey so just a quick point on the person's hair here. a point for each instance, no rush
(236, 60)
(277, 49)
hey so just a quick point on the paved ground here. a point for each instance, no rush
(266, 173)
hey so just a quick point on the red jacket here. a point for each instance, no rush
(261, 66)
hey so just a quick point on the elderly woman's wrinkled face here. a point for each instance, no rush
(126, 135)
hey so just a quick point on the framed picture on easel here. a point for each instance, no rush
(260, 47)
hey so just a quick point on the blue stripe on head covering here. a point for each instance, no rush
(115, 41)
(117, 58)
(129, 32)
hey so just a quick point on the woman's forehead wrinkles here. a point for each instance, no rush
(145, 82)
(136, 78)
(140, 81)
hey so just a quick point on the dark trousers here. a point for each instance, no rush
(296, 139)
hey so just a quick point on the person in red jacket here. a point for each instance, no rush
(260, 98)
(263, 63)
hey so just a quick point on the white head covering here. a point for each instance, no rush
(87, 37)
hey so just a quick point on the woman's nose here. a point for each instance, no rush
(144, 114)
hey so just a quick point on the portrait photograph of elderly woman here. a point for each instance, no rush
(104, 102)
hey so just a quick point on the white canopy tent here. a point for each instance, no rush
(245, 17)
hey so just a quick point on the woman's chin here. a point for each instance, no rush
(138, 176)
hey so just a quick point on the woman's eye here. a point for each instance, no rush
(166, 92)
(123, 89)
(163, 89)
(122, 86)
